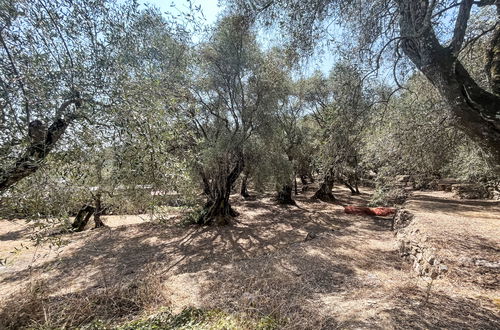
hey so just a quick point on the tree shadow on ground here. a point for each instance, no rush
(417, 309)
(453, 206)
(14, 235)
(263, 263)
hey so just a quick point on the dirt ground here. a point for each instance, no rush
(347, 273)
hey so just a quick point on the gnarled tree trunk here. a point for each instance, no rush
(244, 186)
(42, 141)
(285, 195)
(324, 193)
(83, 217)
(351, 188)
(98, 211)
(477, 111)
(218, 209)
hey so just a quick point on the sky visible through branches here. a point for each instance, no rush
(211, 10)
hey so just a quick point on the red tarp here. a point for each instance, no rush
(381, 211)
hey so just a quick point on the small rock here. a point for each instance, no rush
(443, 268)
(486, 263)
(464, 261)
(418, 268)
(434, 273)
(310, 236)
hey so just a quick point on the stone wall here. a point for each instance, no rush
(414, 247)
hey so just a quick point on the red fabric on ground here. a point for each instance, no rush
(381, 211)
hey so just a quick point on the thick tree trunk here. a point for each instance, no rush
(244, 186)
(218, 209)
(42, 142)
(285, 195)
(476, 111)
(324, 193)
(83, 217)
(493, 58)
(303, 180)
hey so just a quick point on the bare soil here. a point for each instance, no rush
(311, 266)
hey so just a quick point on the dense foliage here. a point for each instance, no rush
(114, 105)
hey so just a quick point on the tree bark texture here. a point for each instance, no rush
(285, 195)
(217, 209)
(42, 141)
(324, 193)
(244, 186)
(476, 110)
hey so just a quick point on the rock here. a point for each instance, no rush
(443, 269)
(434, 273)
(310, 236)
(486, 263)
(446, 184)
(418, 268)
(464, 261)
(402, 178)
(401, 219)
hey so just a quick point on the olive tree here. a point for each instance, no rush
(430, 33)
(128, 132)
(56, 68)
(339, 105)
(233, 92)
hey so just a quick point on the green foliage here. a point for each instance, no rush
(388, 195)
(192, 319)
(414, 134)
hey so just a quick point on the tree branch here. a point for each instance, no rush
(460, 26)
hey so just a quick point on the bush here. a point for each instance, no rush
(388, 196)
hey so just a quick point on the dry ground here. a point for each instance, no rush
(349, 276)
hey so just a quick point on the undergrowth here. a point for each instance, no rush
(191, 318)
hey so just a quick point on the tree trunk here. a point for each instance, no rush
(83, 217)
(295, 185)
(244, 187)
(476, 111)
(324, 193)
(353, 191)
(285, 195)
(42, 142)
(218, 209)
(493, 59)
(303, 180)
(98, 211)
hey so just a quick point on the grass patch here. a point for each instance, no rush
(190, 319)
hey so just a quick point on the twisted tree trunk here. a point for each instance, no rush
(244, 186)
(218, 209)
(83, 217)
(285, 195)
(98, 211)
(324, 193)
(42, 141)
(477, 111)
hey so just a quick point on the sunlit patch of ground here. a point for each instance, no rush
(349, 275)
